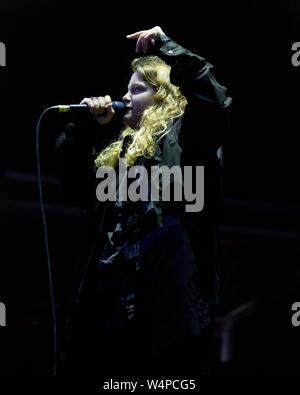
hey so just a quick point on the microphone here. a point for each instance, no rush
(118, 106)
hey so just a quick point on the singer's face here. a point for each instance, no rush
(139, 96)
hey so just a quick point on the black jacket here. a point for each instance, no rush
(193, 140)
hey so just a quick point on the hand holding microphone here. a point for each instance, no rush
(100, 107)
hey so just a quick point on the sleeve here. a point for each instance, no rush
(208, 113)
(192, 73)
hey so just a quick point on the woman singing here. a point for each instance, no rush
(148, 296)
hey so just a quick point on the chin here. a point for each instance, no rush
(128, 121)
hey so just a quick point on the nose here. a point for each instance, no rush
(126, 98)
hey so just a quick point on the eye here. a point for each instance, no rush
(138, 88)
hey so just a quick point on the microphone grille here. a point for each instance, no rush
(118, 105)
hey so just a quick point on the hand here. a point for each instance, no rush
(144, 37)
(101, 108)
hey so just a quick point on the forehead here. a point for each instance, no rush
(136, 78)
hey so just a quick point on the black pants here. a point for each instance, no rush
(168, 309)
(127, 353)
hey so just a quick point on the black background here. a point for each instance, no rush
(61, 51)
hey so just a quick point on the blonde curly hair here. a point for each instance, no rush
(168, 103)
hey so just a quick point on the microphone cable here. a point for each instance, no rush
(118, 107)
(45, 231)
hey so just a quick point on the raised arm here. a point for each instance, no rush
(207, 111)
(191, 72)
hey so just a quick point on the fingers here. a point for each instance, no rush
(98, 105)
(142, 43)
(108, 105)
(144, 37)
(134, 35)
(148, 38)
